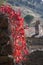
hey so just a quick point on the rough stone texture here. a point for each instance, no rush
(35, 58)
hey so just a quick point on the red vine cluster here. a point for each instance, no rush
(17, 32)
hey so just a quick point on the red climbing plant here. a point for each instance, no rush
(17, 32)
